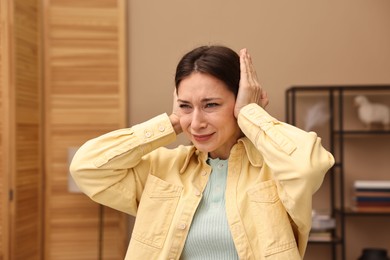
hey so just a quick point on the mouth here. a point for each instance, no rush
(202, 138)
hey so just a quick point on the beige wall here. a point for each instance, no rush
(292, 43)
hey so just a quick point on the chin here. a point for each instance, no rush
(202, 148)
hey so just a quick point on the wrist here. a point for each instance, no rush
(175, 121)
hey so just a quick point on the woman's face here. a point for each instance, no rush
(207, 114)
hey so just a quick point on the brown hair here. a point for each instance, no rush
(218, 61)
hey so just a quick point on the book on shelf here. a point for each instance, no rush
(322, 221)
(371, 209)
(372, 190)
(374, 185)
(375, 194)
(321, 227)
(320, 236)
(373, 204)
(372, 199)
(323, 224)
(383, 201)
(371, 196)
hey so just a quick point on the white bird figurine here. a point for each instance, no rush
(370, 113)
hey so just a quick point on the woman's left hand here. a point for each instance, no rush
(249, 90)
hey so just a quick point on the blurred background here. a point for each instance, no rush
(72, 70)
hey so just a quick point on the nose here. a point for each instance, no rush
(198, 120)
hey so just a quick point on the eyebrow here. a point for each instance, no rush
(205, 100)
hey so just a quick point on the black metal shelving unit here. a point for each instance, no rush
(335, 97)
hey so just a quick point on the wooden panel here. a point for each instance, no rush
(21, 124)
(84, 97)
(3, 118)
(27, 178)
(6, 15)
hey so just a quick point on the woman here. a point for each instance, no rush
(243, 190)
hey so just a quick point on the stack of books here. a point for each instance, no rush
(322, 227)
(372, 195)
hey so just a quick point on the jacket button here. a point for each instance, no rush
(182, 226)
(197, 192)
(148, 133)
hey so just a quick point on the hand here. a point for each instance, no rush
(249, 90)
(175, 116)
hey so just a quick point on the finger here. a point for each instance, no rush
(243, 62)
(247, 66)
(264, 99)
(249, 72)
(245, 80)
(253, 82)
(264, 94)
(251, 67)
(248, 63)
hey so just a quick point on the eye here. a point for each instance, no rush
(211, 105)
(184, 106)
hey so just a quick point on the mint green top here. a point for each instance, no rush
(209, 236)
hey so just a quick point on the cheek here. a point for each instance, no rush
(185, 121)
(229, 124)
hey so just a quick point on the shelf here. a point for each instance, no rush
(337, 164)
(352, 212)
(340, 88)
(343, 130)
(362, 132)
(334, 240)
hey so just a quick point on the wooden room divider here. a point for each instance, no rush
(21, 171)
(62, 82)
(85, 96)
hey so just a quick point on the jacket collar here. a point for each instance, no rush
(254, 156)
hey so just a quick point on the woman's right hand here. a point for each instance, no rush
(175, 116)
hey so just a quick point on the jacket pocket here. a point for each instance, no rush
(271, 219)
(155, 212)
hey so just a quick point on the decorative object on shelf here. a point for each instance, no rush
(370, 113)
(322, 221)
(316, 115)
(321, 227)
(374, 254)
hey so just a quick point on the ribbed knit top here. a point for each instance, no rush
(209, 236)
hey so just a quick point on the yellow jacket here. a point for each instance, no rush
(272, 174)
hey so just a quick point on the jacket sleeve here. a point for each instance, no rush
(110, 169)
(296, 159)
